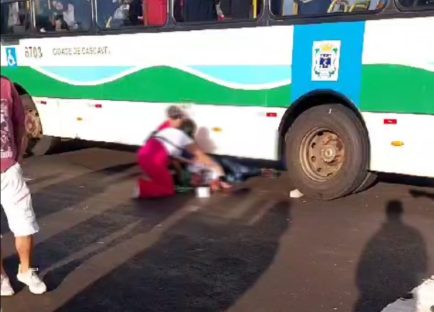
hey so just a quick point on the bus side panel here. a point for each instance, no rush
(116, 88)
(328, 57)
(401, 143)
(397, 97)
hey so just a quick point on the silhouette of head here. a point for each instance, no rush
(394, 210)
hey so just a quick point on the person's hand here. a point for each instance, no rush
(225, 186)
(215, 186)
(219, 185)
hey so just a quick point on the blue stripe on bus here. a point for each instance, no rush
(86, 74)
(351, 36)
(245, 74)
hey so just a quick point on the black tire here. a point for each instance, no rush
(341, 123)
(369, 181)
(43, 144)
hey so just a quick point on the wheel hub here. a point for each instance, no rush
(328, 154)
(322, 154)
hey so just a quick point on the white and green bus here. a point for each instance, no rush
(336, 92)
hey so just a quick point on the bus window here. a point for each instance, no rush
(197, 10)
(416, 4)
(63, 15)
(15, 17)
(283, 7)
(116, 14)
(214, 10)
(323, 7)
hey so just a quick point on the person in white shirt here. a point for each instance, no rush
(64, 12)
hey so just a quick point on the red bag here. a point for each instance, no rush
(156, 12)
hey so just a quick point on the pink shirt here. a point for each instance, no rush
(12, 124)
(164, 125)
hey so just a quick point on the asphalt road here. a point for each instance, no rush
(254, 250)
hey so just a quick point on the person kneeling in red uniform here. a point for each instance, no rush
(155, 157)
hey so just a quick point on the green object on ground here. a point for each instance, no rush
(183, 189)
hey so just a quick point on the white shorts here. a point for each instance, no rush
(17, 202)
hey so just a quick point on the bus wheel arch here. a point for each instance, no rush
(341, 123)
(38, 144)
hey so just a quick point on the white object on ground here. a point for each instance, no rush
(136, 192)
(295, 194)
(203, 192)
(6, 288)
(422, 301)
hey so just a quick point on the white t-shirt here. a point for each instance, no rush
(173, 140)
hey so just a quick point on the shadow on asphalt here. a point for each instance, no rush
(203, 263)
(76, 145)
(62, 253)
(393, 262)
(408, 180)
(65, 194)
(103, 232)
(71, 193)
(419, 193)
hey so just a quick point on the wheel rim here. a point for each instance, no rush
(33, 124)
(322, 154)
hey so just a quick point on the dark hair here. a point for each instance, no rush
(189, 127)
(174, 112)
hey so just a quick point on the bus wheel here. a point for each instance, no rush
(38, 144)
(327, 152)
(369, 181)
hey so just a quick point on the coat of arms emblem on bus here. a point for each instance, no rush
(325, 60)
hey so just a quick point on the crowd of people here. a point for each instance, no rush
(64, 15)
(70, 15)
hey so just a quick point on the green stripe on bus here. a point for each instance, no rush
(385, 88)
(158, 84)
(397, 89)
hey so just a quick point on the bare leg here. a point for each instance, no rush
(1, 267)
(24, 245)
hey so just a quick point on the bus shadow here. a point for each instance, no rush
(419, 193)
(408, 180)
(73, 145)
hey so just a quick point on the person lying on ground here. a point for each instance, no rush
(155, 156)
(235, 172)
